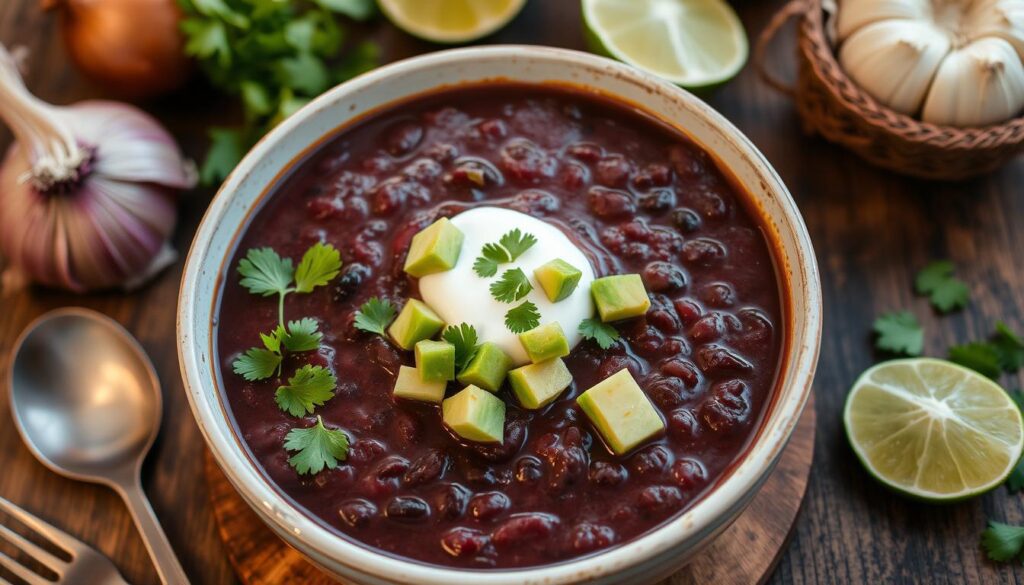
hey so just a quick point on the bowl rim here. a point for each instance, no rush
(323, 545)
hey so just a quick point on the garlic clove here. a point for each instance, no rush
(978, 85)
(895, 61)
(997, 18)
(856, 14)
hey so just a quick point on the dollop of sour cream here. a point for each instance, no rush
(459, 295)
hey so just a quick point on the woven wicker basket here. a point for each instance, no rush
(831, 104)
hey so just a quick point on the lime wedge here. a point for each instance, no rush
(450, 21)
(697, 44)
(932, 429)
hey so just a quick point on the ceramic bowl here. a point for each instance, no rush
(644, 560)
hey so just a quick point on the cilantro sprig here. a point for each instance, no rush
(316, 447)
(945, 292)
(522, 318)
(1003, 542)
(1003, 352)
(265, 273)
(261, 363)
(509, 248)
(311, 386)
(602, 333)
(274, 56)
(464, 338)
(375, 315)
(899, 332)
(512, 286)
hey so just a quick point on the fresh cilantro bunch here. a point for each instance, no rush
(275, 56)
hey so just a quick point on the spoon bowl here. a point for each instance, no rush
(87, 402)
(84, 395)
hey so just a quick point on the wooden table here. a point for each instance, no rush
(872, 231)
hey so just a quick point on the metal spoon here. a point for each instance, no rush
(87, 402)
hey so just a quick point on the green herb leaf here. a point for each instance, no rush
(304, 73)
(512, 286)
(464, 338)
(375, 315)
(317, 447)
(303, 335)
(980, 357)
(899, 333)
(354, 9)
(602, 333)
(226, 149)
(257, 364)
(311, 386)
(1002, 542)
(490, 257)
(517, 243)
(273, 340)
(207, 39)
(265, 273)
(319, 265)
(1010, 348)
(510, 246)
(945, 291)
(522, 318)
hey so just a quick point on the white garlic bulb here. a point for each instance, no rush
(950, 62)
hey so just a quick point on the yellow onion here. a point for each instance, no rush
(86, 191)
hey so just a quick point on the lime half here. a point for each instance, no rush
(932, 429)
(450, 21)
(696, 44)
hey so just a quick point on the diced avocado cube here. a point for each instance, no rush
(435, 249)
(537, 385)
(487, 369)
(558, 278)
(621, 412)
(620, 297)
(435, 360)
(410, 386)
(416, 322)
(475, 415)
(545, 342)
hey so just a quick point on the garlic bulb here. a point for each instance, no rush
(951, 62)
(87, 191)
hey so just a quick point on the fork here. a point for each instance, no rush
(87, 565)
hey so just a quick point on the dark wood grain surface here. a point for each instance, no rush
(872, 231)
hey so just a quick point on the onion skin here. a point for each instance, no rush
(133, 48)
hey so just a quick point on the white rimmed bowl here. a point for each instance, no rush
(643, 560)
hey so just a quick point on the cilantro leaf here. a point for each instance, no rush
(899, 333)
(464, 338)
(945, 291)
(375, 315)
(512, 286)
(510, 246)
(354, 9)
(603, 334)
(486, 265)
(522, 318)
(517, 243)
(317, 447)
(1010, 348)
(302, 335)
(1002, 542)
(227, 145)
(319, 265)
(311, 386)
(273, 340)
(980, 357)
(257, 364)
(265, 273)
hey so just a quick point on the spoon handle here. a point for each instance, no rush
(166, 562)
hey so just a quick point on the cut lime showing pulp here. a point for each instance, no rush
(932, 429)
(692, 43)
(450, 21)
